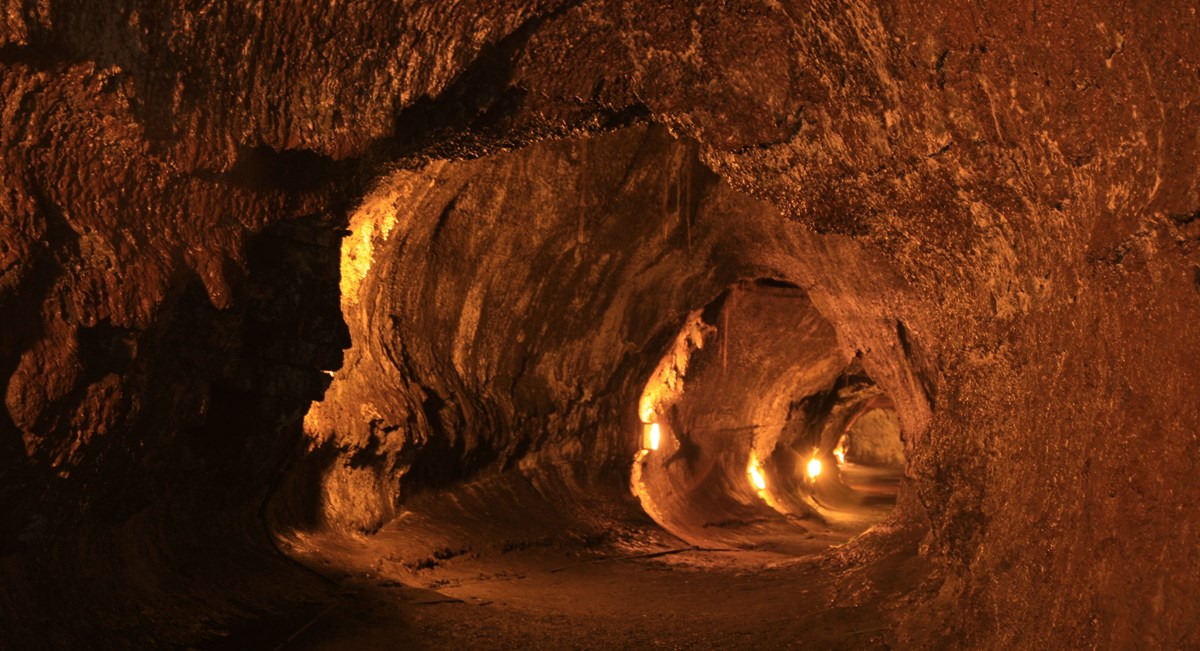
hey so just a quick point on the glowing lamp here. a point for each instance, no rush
(757, 478)
(814, 468)
(654, 437)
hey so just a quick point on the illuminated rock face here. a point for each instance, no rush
(993, 209)
(875, 440)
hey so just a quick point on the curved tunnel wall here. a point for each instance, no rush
(507, 312)
(1022, 184)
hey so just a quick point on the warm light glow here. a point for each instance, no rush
(756, 476)
(758, 479)
(814, 468)
(840, 451)
(665, 386)
(374, 221)
(655, 437)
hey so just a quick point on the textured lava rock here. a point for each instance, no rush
(1008, 195)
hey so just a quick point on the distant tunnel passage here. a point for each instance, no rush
(746, 418)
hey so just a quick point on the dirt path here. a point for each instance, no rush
(496, 566)
(691, 600)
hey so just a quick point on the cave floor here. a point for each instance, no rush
(693, 601)
(519, 574)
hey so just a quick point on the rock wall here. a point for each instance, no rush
(874, 439)
(1009, 196)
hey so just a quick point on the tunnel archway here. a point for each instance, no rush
(742, 420)
(489, 432)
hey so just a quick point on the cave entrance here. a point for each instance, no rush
(759, 430)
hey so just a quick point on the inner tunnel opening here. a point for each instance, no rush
(759, 431)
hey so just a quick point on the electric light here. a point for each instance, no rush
(814, 468)
(655, 437)
(756, 477)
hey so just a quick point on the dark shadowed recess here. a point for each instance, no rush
(220, 395)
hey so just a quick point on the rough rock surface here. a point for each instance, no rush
(875, 439)
(994, 203)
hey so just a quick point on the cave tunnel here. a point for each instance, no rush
(599, 325)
